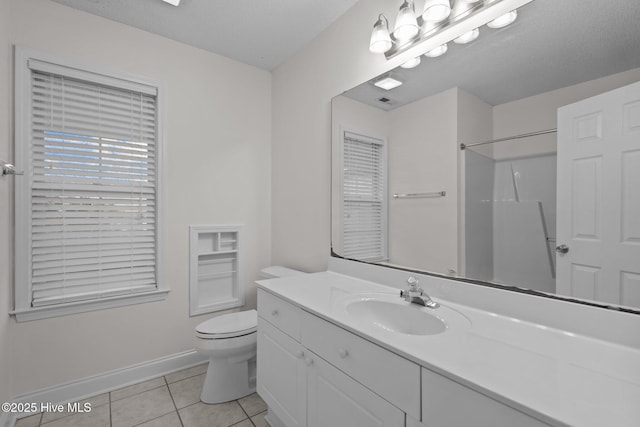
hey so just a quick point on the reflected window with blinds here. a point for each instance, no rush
(364, 192)
(88, 208)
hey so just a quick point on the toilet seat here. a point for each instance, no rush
(229, 325)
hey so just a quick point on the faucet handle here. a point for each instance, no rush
(413, 283)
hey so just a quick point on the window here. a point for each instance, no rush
(87, 216)
(364, 198)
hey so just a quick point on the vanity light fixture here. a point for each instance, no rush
(412, 63)
(440, 22)
(380, 38)
(438, 51)
(467, 37)
(436, 10)
(406, 23)
(387, 82)
(504, 20)
(173, 2)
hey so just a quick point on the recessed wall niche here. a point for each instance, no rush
(215, 268)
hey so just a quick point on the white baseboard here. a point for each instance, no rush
(83, 388)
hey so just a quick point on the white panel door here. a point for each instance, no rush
(336, 400)
(282, 375)
(599, 198)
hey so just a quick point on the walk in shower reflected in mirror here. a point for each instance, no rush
(534, 212)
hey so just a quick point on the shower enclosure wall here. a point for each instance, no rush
(510, 220)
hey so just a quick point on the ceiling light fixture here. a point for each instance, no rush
(387, 82)
(173, 2)
(441, 21)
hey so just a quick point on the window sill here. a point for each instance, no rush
(27, 314)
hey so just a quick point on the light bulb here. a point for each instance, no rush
(412, 63)
(438, 51)
(406, 24)
(504, 20)
(380, 38)
(436, 10)
(467, 37)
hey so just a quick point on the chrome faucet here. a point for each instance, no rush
(416, 295)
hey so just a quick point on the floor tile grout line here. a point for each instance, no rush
(173, 401)
(140, 392)
(185, 378)
(245, 412)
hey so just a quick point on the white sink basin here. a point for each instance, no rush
(397, 318)
(391, 313)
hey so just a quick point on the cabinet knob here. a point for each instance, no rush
(308, 361)
(274, 313)
(343, 353)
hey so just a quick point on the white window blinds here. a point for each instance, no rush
(93, 186)
(363, 198)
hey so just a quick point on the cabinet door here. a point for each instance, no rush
(281, 375)
(446, 403)
(336, 400)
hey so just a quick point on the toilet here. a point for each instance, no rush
(229, 341)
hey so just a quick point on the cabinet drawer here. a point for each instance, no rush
(446, 403)
(335, 399)
(279, 313)
(394, 378)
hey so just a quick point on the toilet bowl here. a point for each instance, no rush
(229, 341)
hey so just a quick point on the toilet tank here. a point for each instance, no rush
(276, 271)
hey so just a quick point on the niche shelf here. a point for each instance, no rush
(215, 268)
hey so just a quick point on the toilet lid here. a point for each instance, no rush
(232, 324)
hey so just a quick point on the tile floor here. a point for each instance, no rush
(169, 401)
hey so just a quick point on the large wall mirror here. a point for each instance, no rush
(545, 194)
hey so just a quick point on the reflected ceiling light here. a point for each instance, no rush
(412, 63)
(436, 10)
(406, 23)
(504, 20)
(387, 83)
(444, 20)
(467, 37)
(380, 38)
(438, 51)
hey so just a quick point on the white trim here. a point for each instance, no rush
(83, 388)
(36, 313)
(24, 59)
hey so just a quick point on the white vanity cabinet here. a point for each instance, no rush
(282, 375)
(314, 373)
(303, 389)
(446, 403)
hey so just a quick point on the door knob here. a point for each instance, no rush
(562, 249)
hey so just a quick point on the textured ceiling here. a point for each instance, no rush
(553, 44)
(263, 33)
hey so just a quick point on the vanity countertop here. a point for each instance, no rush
(561, 378)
